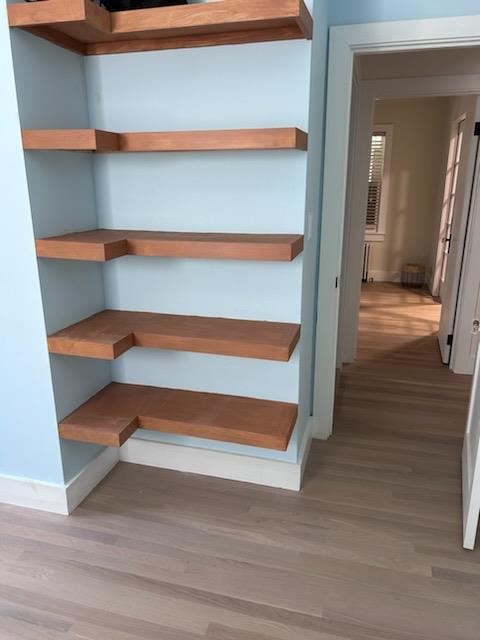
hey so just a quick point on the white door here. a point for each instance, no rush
(452, 181)
(471, 464)
(450, 245)
(458, 203)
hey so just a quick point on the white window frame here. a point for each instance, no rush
(379, 234)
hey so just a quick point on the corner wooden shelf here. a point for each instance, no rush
(108, 334)
(116, 412)
(83, 27)
(154, 141)
(101, 245)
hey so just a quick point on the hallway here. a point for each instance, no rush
(398, 386)
(370, 549)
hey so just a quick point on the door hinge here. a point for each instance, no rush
(450, 339)
(476, 131)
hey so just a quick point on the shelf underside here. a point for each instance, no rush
(88, 29)
(101, 245)
(214, 140)
(116, 412)
(108, 334)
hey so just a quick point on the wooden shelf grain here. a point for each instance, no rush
(108, 334)
(101, 245)
(116, 412)
(83, 27)
(157, 141)
(70, 140)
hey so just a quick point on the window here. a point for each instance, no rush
(375, 177)
(378, 179)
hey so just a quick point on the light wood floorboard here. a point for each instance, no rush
(370, 549)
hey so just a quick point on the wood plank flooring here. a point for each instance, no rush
(370, 549)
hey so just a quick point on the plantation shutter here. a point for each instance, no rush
(377, 161)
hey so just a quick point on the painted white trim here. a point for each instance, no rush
(471, 464)
(44, 496)
(64, 499)
(83, 484)
(218, 464)
(372, 236)
(354, 228)
(344, 43)
(57, 498)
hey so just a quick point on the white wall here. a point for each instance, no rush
(417, 173)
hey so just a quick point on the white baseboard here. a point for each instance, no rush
(64, 499)
(82, 484)
(57, 498)
(22, 492)
(217, 464)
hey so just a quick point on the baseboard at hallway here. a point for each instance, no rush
(218, 464)
(64, 499)
(56, 498)
(89, 477)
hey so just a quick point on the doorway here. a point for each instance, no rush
(345, 43)
(416, 183)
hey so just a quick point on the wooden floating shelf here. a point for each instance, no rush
(215, 140)
(101, 245)
(108, 334)
(83, 27)
(116, 412)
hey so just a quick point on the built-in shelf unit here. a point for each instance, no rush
(114, 414)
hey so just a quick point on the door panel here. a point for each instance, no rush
(456, 207)
(451, 187)
(471, 464)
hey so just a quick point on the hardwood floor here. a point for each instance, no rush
(370, 550)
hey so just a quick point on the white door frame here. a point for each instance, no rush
(345, 42)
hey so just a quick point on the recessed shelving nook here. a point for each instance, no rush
(114, 413)
(84, 27)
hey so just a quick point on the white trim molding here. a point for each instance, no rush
(218, 464)
(345, 42)
(57, 498)
(89, 477)
(64, 499)
(32, 494)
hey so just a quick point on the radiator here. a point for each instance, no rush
(367, 252)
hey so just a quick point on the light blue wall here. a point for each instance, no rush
(51, 91)
(358, 11)
(29, 444)
(244, 86)
(258, 85)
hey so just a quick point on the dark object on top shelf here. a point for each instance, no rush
(127, 5)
